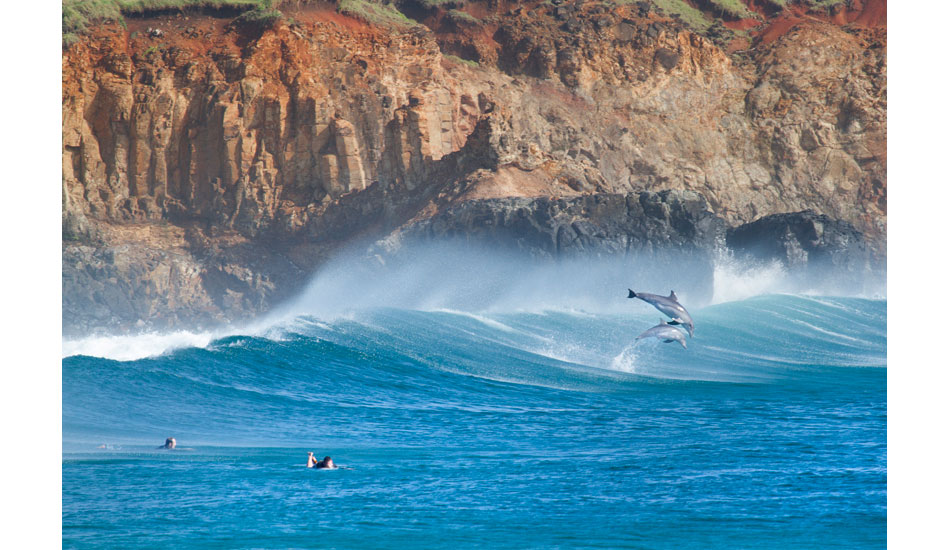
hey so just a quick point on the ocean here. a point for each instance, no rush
(499, 425)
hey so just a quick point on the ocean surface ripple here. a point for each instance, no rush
(512, 429)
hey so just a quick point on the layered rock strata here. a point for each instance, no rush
(208, 170)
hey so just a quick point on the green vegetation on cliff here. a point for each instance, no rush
(825, 3)
(734, 8)
(458, 59)
(462, 18)
(440, 3)
(78, 15)
(377, 13)
(690, 15)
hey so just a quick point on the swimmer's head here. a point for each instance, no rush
(170, 443)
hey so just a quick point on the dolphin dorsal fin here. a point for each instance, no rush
(673, 296)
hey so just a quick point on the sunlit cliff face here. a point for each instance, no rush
(208, 173)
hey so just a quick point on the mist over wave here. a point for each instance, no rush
(473, 279)
(485, 283)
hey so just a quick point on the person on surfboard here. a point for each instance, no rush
(325, 464)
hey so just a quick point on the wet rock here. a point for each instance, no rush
(668, 228)
(815, 245)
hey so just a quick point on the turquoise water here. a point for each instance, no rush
(505, 430)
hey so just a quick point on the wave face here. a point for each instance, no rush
(490, 429)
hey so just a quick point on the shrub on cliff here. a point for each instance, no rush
(461, 18)
(262, 17)
(432, 4)
(376, 13)
(735, 8)
(692, 17)
(78, 14)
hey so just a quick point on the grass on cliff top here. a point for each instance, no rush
(693, 18)
(734, 8)
(825, 3)
(436, 3)
(462, 18)
(79, 15)
(375, 13)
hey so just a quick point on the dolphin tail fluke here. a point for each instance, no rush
(631, 294)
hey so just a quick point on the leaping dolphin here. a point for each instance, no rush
(669, 305)
(664, 332)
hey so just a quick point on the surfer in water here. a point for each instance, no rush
(325, 464)
(172, 445)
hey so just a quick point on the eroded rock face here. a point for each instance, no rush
(800, 125)
(250, 138)
(798, 122)
(585, 226)
(830, 252)
(797, 239)
(165, 278)
(266, 151)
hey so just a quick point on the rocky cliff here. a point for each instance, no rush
(210, 164)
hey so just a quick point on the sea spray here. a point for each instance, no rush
(473, 281)
(736, 280)
(626, 360)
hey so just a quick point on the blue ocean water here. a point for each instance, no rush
(520, 429)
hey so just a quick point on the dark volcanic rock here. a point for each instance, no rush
(669, 232)
(805, 242)
(591, 225)
(136, 288)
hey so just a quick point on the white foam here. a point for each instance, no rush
(138, 346)
(625, 361)
(734, 281)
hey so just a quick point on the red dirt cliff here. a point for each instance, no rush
(208, 167)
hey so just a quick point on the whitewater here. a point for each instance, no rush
(485, 403)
